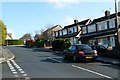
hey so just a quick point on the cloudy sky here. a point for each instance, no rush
(30, 16)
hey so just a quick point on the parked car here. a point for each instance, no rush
(99, 48)
(80, 52)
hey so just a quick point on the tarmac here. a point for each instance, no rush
(102, 59)
(6, 55)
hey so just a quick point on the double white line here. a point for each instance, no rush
(12, 65)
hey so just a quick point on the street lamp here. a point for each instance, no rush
(117, 26)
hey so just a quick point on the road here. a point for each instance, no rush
(33, 63)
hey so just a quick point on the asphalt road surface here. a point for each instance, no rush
(34, 63)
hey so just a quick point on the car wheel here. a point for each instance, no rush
(74, 58)
(64, 56)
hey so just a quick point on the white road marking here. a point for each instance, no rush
(92, 72)
(24, 74)
(16, 76)
(13, 70)
(22, 71)
(84, 69)
(27, 78)
(15, 73)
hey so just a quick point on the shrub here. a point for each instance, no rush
(14, 42)
(30, 43)
(40, 43)
(60, 44)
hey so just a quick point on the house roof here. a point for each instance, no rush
(9, 36)
(105, 18)
(81, 23)
(53, 27)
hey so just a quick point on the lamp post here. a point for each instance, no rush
(117, 27)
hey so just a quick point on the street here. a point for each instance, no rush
(34, 63)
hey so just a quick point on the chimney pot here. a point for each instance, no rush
(75, 21)
(107, 13)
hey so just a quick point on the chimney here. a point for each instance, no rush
(107, 13)
(75, 21)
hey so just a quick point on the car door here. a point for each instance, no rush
(73, 50)
(68, 52)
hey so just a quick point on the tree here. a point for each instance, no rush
(26, 36)
(3, 33)
(39, 35)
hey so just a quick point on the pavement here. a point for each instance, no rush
(5, 55)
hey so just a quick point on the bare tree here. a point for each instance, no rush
(26, 36)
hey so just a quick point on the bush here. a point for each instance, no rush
(14, 42)
(30, 43)
(60, 44)
(40, 43)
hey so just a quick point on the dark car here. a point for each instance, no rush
(80, 52)
(99, 48)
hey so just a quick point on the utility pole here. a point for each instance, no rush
(117, 27)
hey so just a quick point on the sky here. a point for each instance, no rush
(32, 16)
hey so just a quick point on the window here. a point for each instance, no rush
(74, 48)
(60, 33)
(84, 30)
(83, 47)
(70, 30)
(75, 29)
(91, 28)
(112, 41)
(56, 34)
(111, 23)
(64, 31)
(102, 25)
(70, 48)
(105, 41)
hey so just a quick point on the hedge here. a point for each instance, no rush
(60, 44)
(14, 42)
(40, 43)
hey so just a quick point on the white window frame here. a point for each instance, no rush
(64, 31)
(91, 28)
(112, 41)
(102, 25)
(84, 30)
(70, 30)
(111, 23)
(60, 33)
(75, 28)
(56, 34)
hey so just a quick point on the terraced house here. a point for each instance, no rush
(71, 32)
(103, 30)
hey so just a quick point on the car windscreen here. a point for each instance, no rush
(83, 47)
